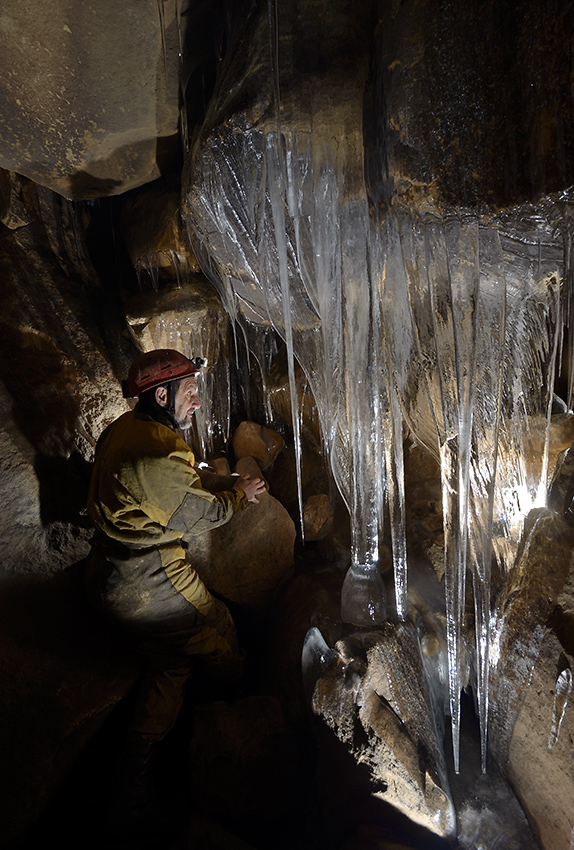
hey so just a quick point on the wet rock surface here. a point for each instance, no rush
(257, 441)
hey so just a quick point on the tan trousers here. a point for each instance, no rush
(171, 658)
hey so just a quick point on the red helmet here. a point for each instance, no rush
(155, 368)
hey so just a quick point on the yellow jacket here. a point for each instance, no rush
(144, 495)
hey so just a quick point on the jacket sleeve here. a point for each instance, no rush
(200, 512)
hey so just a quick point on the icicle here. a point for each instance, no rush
(391, 287)
(492, 329)
(276, 184)
(393, 447)
(562, 691)
(361, 382)
(451, 325)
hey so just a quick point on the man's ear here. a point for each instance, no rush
(161, 396)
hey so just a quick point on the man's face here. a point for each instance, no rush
(186, 402)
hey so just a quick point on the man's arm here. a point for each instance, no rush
(200, 514)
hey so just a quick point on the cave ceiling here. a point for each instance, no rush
(473, 100)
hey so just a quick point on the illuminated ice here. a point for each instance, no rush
(448, 325)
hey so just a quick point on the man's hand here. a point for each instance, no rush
(252, 487)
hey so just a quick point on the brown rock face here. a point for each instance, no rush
(154, 234)
(371, 691)
(257, 441)
(188, 317)
(247, 560)
(317, 511)
(531, 724)
(87, 104)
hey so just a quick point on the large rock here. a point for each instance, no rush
(188, 316)
(86, 104)
(58, 391)
(372, 691)
(154, 234)
(317, 511)
(449, 136)
(249, 558)
(280, 397)
(61, 670)
(253, 440)
(15, 209)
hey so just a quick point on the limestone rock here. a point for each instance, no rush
(561, 436)
(258, 441)
(154, 235)
(533, 647)
(247, 560)
(280, 398)
(420, 464)
(540, 755)
(189, 317)
(561, 490)
(317, 510)
(220, 465)
(283, 478)
(85, 105)
(58, 392)
(375, 682)
(14, 212)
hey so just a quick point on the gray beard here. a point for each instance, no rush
(183, 424)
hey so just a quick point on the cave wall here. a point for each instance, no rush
(465, 105)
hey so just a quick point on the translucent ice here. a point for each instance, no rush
(316, 658)
(562, 691)
(363, 597)
(447, 325)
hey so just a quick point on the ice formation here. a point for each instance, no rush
(447, 323)
(562, 692)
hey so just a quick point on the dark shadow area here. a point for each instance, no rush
(107, 250)
(63, 669)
